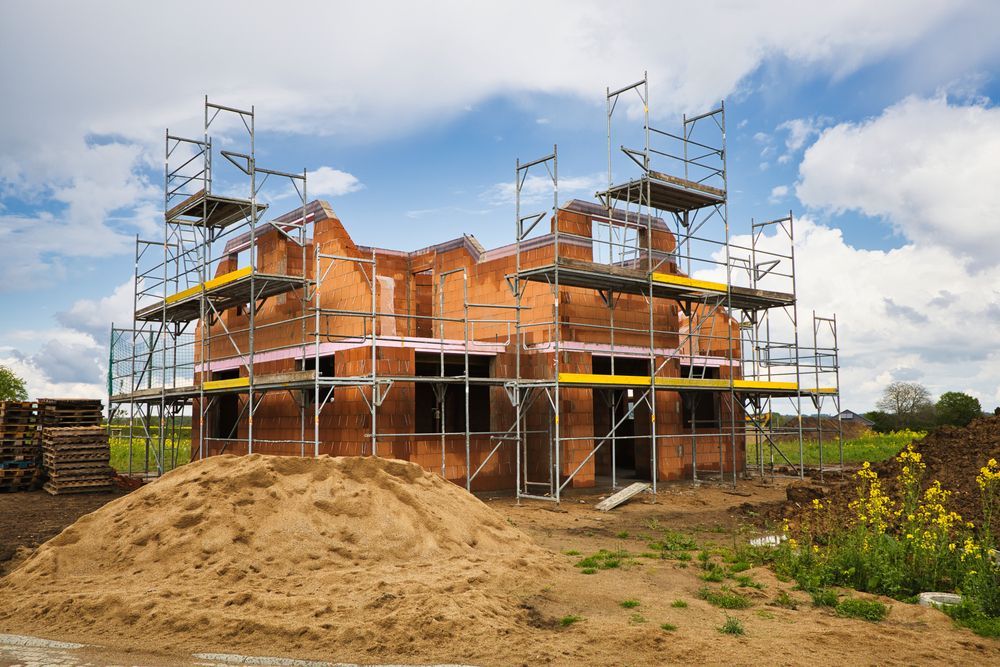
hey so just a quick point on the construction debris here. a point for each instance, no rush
(20, 447)
(622, 496)
(76, 459)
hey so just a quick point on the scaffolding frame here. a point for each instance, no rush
(185, 343)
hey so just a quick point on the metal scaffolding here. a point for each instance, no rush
(697, 331)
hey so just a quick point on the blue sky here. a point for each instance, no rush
(876, 125)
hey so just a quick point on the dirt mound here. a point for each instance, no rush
(953, 456)
(353, 558)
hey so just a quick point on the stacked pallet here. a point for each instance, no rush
(62, 412)
(20, 446)
(76, 459)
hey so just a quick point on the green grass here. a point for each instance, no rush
(746, 581)
(572, 552)
(867, 610)
(824, 597)
(637, 618)
(732, 626)
(872, 447)
(668, 627)
(785, 601)
(569, 620)
(141, 460)
(679, 604)
(628, 604)
(724, 598)
(603, 560)
(623, 535)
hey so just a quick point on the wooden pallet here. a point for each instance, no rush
(57, 488)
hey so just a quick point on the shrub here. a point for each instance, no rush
(732, 626)
(868, 610)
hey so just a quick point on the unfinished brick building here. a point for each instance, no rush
(582, 354)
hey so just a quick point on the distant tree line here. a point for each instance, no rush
(909, 405)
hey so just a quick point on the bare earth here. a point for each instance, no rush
(254, 556)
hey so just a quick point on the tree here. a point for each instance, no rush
(882, 422)
(11, 386)
(957, 409)
(909, 403)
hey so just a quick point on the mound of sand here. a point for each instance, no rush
(350, 558)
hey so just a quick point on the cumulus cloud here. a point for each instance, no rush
(927, 166)
(69, 363)
(330, 182)
(778, 193)
(918, 311)
(537, 189)
(95, 316)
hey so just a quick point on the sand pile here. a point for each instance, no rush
(352, 558)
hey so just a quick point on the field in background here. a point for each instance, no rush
(868, 447)
(120, 450)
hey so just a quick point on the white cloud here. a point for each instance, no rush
(799, 131)
(918, 312)
(778, 193)
(929, 167)
(330, 182)
(95, 317)
(537, 189)
(67, 363)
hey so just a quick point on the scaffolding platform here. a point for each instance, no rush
(225, 291)
(593, 275)
(759, 387)
(665, 193)
(203, 209)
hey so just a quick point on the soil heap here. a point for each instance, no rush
(953, 456)
(353, 558)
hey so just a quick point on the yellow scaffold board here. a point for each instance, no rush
(210, 284)
(684, 281)
(226, 384)
(673, 383)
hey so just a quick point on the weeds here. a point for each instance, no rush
(868, 610)
(732, 626)
(785, 601)
(668, 627)
(637, 618)
(603, 560)
(824, 597)
(897, 544)
(569, 620)
(724, 598)
(679, 604)
(628, 604)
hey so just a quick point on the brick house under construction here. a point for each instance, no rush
(585, 353)
(420, 332)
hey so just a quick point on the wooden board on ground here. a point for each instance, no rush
(622, 496)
